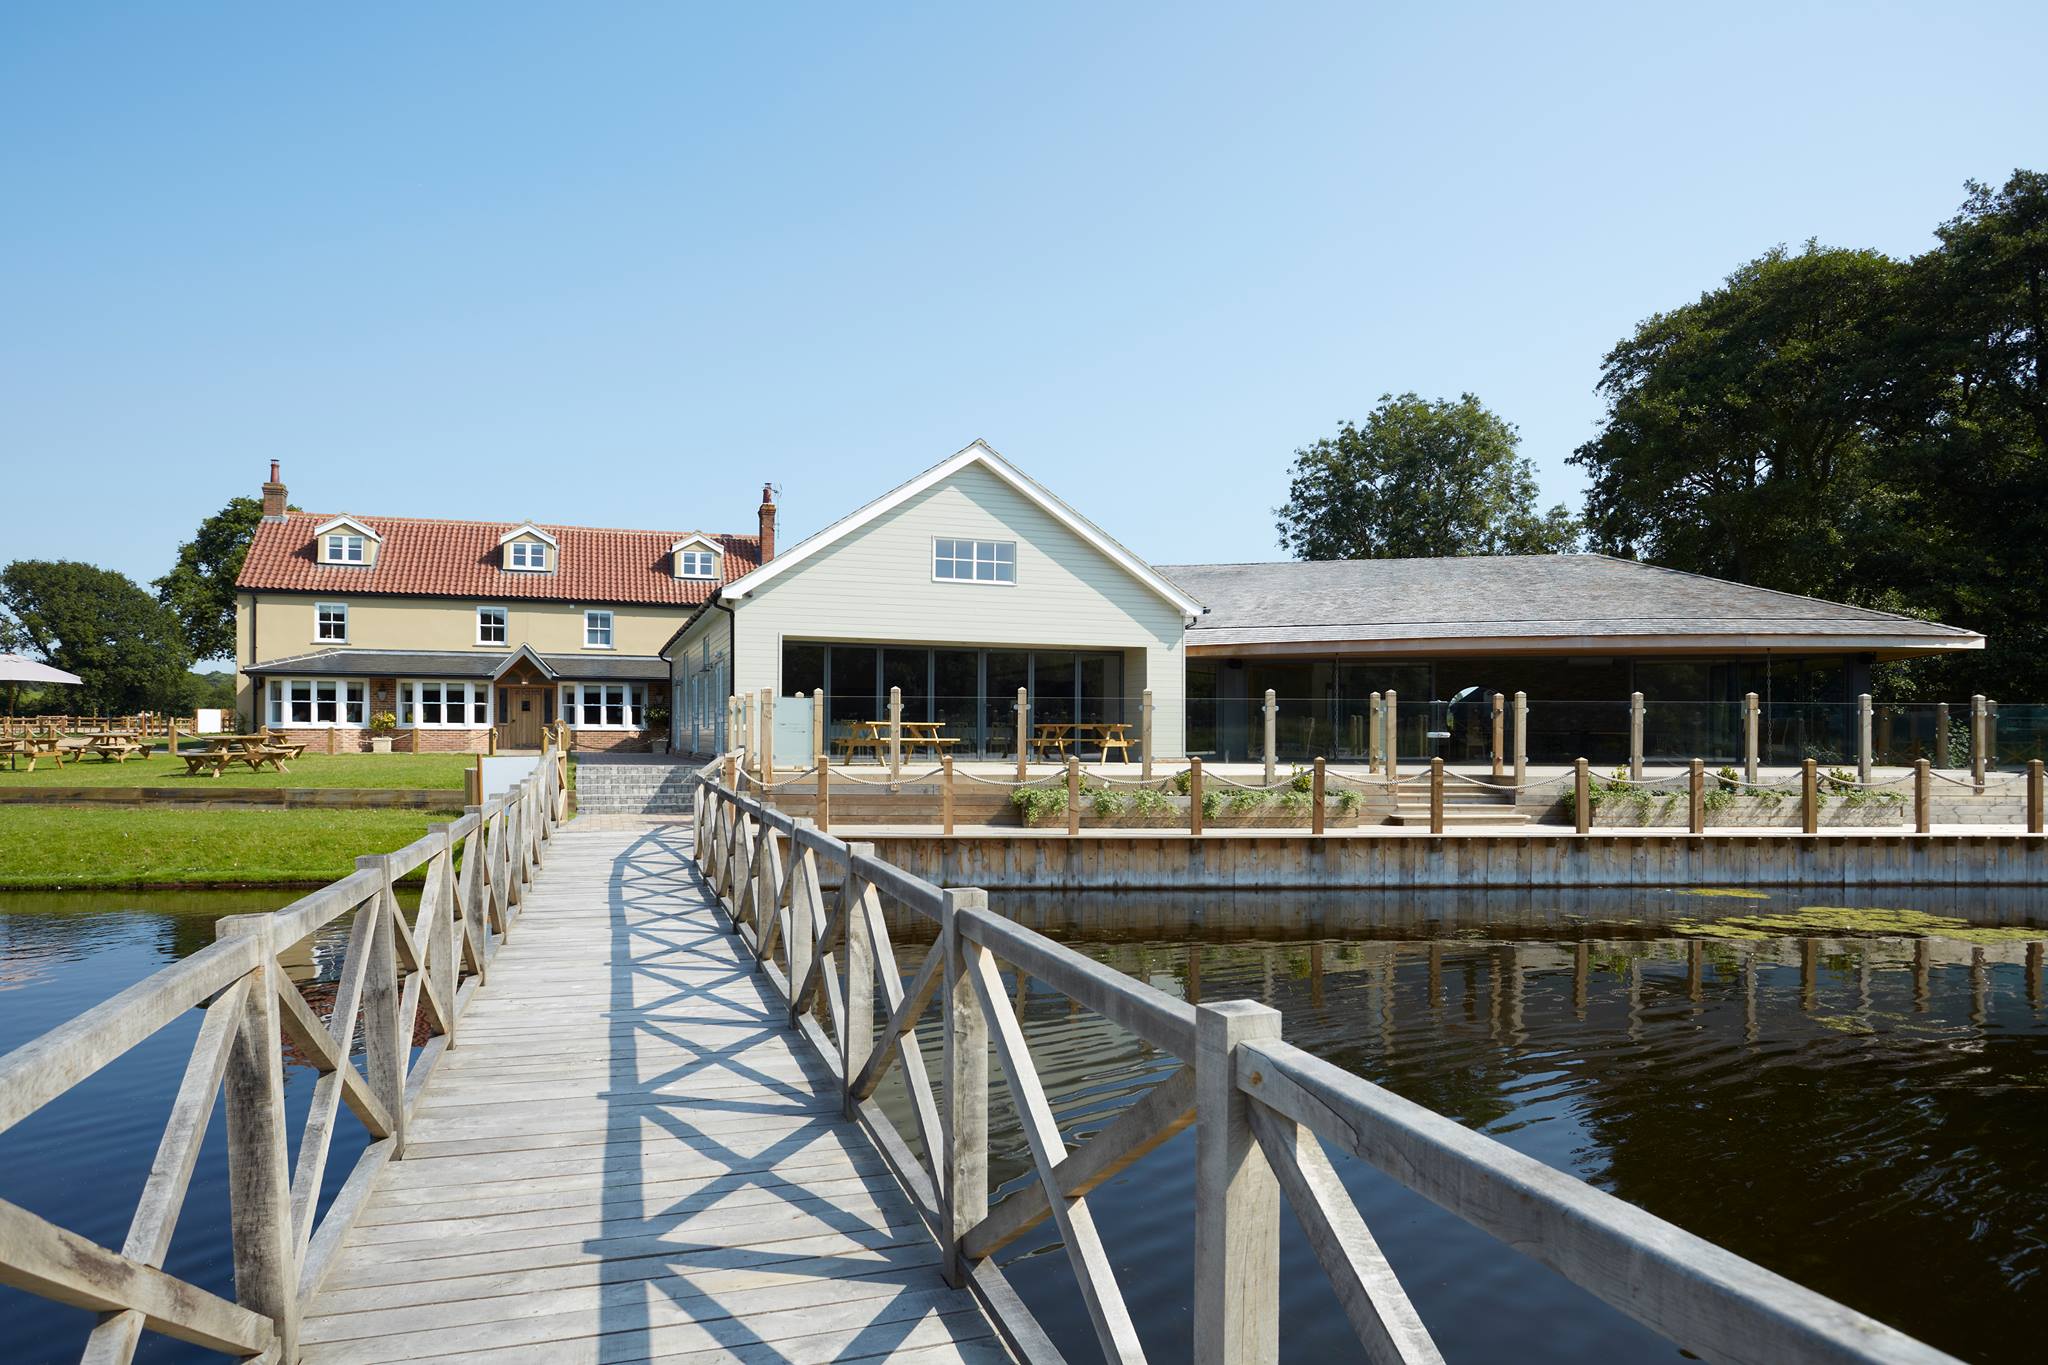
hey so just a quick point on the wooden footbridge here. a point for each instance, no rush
(643, 1127)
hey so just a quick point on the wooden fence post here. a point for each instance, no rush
(1521, 743)
(823, 813)
(963, 1129)
(473, 783)
(2034, 812)
(1696, 804)
(1941, 734)
(1500, 734)
(1436, 794)
(819, 746)
(1272, 733)
(1979, 744)
(1923, 798)
(1073, 795)
(895, 733)
(857, 1029)
(766, 767)
(1390, 753)
(1237, 1198)
(1635, 736)
(259, 1169)
(1750, 747)
(1582, 796)
(1864, 755)
(174, 739)
(1809, 797)
(946, 792)
(1372, 734)
(1023, 731)
(1194, 796)
(1145, 731)
(1315, 800)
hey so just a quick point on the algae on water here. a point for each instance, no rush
(1852, 921)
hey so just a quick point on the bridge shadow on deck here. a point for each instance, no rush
(787, 1240)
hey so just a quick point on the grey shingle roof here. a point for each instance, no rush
(411, 663)
(1519, 598)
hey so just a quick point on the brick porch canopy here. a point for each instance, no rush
(405, 663)
(1534, 604)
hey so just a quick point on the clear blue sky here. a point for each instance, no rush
(616, 264)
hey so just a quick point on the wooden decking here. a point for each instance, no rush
(627, 1155)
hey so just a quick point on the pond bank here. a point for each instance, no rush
(59, 847)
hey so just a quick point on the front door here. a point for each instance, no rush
(523, 717)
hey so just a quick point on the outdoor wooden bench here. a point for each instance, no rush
(286, 748)
(273, 754)
(210, 762)
(114, 750)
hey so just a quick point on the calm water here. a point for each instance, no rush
(1863, 1114)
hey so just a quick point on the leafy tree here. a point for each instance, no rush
(200, 589)
(127, 649)
(1420, 478)
(1741, 428)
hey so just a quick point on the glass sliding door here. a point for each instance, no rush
(911, 670)
(956, 698)
(1052, 689)
(1008, 670)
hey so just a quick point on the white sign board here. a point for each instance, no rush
(207, 721)
(503, 773)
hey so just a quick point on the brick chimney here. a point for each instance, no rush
(767, 522)
(273, 496)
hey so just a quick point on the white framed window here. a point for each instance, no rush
(696, 564)
(597, 630)
(491, 625)
(974, 561)
(317, 703)
(330, 622)
(604, 706)
(444, 705)
(344, 547)
(530, 555)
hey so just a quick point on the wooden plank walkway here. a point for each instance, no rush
(629, 1156)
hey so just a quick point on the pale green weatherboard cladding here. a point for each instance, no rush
(875, 585)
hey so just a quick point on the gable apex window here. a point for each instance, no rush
(974, 561)
(491, 625)
(330, 623)
(597, 630)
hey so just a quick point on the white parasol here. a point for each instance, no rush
(16, 669)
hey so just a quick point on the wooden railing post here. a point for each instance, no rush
(857, 1029)
(1372, 734)
(1978, 743)
(384, 1051)
(1073, 795)
(1521, 750)
(1023, 731)
(895, 732)
(767, 764)
(1390, 750)
(2034, 812)
(1145, 731)
(1750, 746)
(1809, 797)
(1696, 797)
(963, 1193)
(1315, 799)
(1582, 796)
(1635, 736)
(946, 793)
(819, 744)
(823, 813)
(1272, 734)
(1436, 794)
(1194, 796)
(1941, 734)
(259, 1161)
(1923, 798)
(1237, 1198)
(1500, 735)
(1864, 755)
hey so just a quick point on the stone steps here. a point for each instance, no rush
(633, 789)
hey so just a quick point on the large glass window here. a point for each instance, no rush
(1008, 670)
(604, 706)
(444, 705)
(974, 561)
(909, 669)
(317, 702)
(855, 681)
(803, 669)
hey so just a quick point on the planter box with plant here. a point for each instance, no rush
(383, 725)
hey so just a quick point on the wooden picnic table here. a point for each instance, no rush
(33, 748)
(1057, 737)
(253, 750)
(874, 734)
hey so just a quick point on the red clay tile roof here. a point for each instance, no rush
(422, 558)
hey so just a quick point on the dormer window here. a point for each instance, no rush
(697, 556)
(527, 549)
(346, 541)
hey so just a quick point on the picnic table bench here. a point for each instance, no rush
(215, 761)
(113, 748)
(874, 734)
(32, 748)
(1055, 738)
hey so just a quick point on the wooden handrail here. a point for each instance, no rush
(474, 872)
(1261, 1109)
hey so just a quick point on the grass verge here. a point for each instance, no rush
(71, 846)
(412, 772)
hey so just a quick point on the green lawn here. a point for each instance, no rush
(64, 846)
(413, 772)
